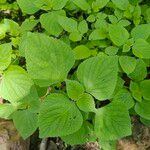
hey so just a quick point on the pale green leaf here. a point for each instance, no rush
(15, 84)
(6, 110)
(75, 36)
(82, 52)
(98, 34)
(111, 50)
(86, 103)
(5, 55)
(74, 89)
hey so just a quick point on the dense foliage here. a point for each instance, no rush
(75, 69)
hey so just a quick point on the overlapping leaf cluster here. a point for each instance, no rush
(85, 71)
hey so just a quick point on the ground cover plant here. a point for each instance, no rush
(75, 69)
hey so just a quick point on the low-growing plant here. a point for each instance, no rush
(75, 69)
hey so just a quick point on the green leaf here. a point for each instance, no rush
(108, 145)
(99, 76)
(83, 4)
(15, 84)
(74, 89)
(75, 36)
(145, 122)
(58, 4)
(118, 34)
(142, 109)
(82, 136)
(50, 23)
(86, 103)
(141, 49)
(98, 34)
(136, 91)
(99, 4)
(12, 27)
(68, 24)
(111, 50)
(26, 122)
(27, 6)
(44, 56)
(141, 32)
(28, 25)
(82, 52)
(6, 110)
(145, 89)
(124, 96)
(59, 116)
(124, 22)
(140, 71)
(112, 122)
(83, 27)
(127, 63)
(5, 55)
(121, 4)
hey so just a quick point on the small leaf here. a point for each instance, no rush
(86, 103)
(145, 89)
(59, 116)
(118, 34)
(140, 71)
(83, 4)
(127, 63)
(141, 49)
(83, 27)
(99, 4)
(112, 122)
(75, 36)
(98, 34)
(82, 52)
(74, 89)
(26, 122)
(136, 91)
(111, 50)
(6, 110)
(49, 21)
(142, 109)
(68, 24)
(5, 55)
(121, 4)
